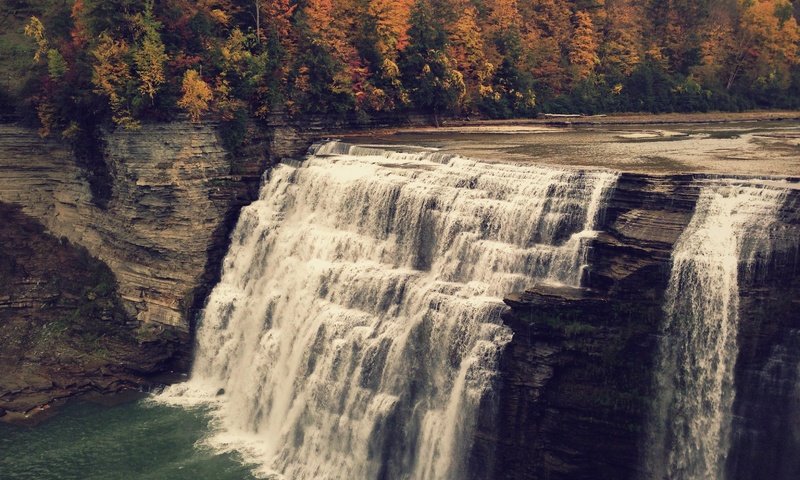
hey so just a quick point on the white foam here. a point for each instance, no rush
(356, 326)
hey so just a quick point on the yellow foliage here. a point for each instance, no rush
(583, 50)
(393, 17)
(225, 104)
(196, 95)
(111, 75)
(467, 45)
(35, 30)
(150, 58)
(221, 17)
(767, 40)
(71, 131)
(775, 38)
(234, 51)
(150, 54)
(390, 69)
(46, 112)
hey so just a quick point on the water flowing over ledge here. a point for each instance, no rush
(356, 329)
(730, 234)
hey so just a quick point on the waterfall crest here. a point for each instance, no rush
(356, 328)
(689, 431)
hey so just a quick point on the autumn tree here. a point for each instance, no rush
(150, 55)
(35, 30)
(507, 88)
(716, 43)
(197, 95)
(113, 79)
(392, 25)
(621, 50)
(467, 48)
(583, 48)
(546, 28)
(127, 61)
(767, 43)
(326, 64)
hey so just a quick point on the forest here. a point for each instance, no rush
(75, 64)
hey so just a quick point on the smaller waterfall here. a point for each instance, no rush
(689, 431)
(356, 329)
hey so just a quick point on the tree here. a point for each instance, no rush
(150, 55)
(621, 51)
(546, 29)
(583, 49)
(196, 95)
(767, 40)
(393, 18)
(715, 46)
(111, 16)
(435, 84)
(35, 30)
(112, 78)
(467, 49)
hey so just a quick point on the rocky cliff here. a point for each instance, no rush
(64, 328)
(171, 189)
(161, 230)
(577, 379)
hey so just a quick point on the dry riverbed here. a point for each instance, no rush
(753, 143)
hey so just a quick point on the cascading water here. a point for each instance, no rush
(689, 431)
(356, 326)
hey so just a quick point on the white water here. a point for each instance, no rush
(689, 434)
(356, 326)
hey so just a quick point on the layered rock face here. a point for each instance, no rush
(64, 329)
(172, 189)
(766, 420)
(162, 230)
(577, 390)
(576, 376)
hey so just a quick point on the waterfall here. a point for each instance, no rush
(356, 328)
(689, 431)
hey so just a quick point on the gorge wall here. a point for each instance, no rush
(173, 197)
(577, 390)
(171, 187)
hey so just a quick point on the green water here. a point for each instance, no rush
(136, 440)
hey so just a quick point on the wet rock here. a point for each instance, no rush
(576, 381)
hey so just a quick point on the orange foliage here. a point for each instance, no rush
(467, 41)
(623, 41)
(767, 41)
(583, 49)
(393, 17)
(196, 95)
(277, 15)
(504, 14)
(78, 33)
(328, 22)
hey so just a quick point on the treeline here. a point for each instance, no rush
(126, 61)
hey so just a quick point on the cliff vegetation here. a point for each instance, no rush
(125, 61)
